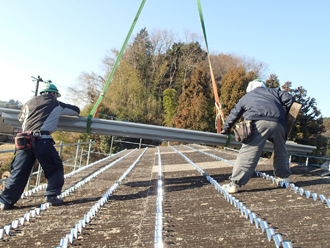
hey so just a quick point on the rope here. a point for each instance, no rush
(97, 105)
(219, 113)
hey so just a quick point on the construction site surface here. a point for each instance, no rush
(195, 213)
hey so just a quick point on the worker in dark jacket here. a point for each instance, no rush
(264, 106)
(40, 115)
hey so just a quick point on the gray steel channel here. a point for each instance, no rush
(145, 131)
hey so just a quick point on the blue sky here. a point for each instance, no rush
(59, 39)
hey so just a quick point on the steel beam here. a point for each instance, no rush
(144, 131)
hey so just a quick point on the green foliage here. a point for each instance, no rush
(105, 143)
(125, 93)
(140, 56)
(170, 102)
(158, 76)
(129, 99)
(233, 87)
(165, 83)
(158, 84)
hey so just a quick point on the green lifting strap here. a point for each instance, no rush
(98, 103)
(202, 23)
(227, 140)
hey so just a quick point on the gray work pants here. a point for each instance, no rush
(250, 153)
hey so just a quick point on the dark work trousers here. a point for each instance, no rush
(250, 153)
(22, 165)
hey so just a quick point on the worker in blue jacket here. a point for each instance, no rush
(267, 108)
(39, 115)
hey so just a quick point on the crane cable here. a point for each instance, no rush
(219, 112)
(95, 110)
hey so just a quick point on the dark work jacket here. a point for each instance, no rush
(261, 104)
(43, 112)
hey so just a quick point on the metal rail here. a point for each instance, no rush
(65, 242)
(35, 212)
(273, 179)
(145, 131)
(159, 212)
(252, 216)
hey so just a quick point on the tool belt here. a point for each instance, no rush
(243, 131)
(26, 140)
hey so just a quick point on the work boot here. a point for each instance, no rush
(54, 200)
(284, 180)
(231, 188)
(5, 206)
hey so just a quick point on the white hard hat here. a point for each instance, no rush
(256, 84)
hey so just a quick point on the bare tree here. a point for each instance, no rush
(87, 90)
(108, 61)
(251, 64)
(191, 37)
(162, 40)
(221, 64)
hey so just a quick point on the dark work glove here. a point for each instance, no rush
(224, 132)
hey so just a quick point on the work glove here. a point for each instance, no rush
(224, 132)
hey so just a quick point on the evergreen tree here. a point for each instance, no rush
(173, 62)
(273, 81)
(152, 74)
(233, 87)
(139, 56)
(170, 102)
(194, 109)
(127, 98)
(182, 59)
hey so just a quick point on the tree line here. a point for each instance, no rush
(162, 80)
